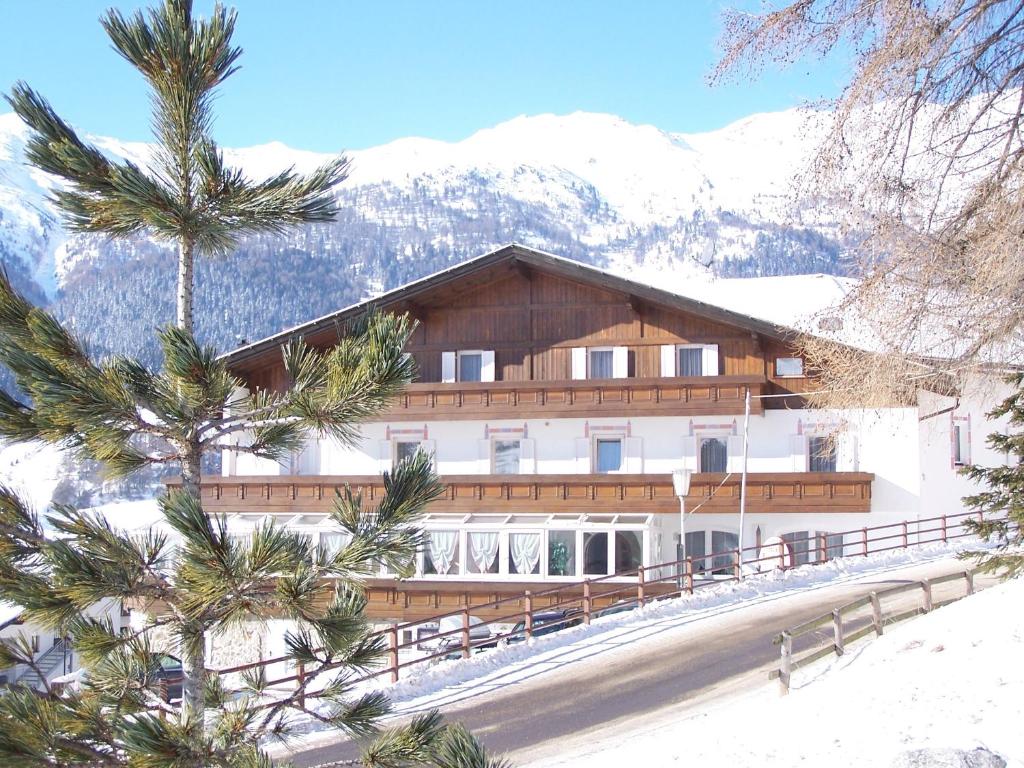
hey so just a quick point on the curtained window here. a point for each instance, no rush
(442, 555)
(483, 551)
(524, 553)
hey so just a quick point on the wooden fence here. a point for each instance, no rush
(645, 584)
(841, 637)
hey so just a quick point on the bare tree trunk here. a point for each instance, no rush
(186, 260)
(193, 662)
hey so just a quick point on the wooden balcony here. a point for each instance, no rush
(776, 492)
(685, 396)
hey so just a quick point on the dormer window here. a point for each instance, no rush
(599, 364)
(471, 366)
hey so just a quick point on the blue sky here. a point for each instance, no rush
(329, 75)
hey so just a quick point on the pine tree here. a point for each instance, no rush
(209, 581)
(1004, 497)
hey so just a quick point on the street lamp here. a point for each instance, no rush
(681, 486)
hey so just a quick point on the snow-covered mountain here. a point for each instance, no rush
(587, 186)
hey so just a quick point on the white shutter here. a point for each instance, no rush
(527, 457)
(734, 461)
(709, 360)
(582, 455)
(846, 452)
(483, 457)
(447, 367)
(384, 456)
(633, 450)
(579, 362)
(620, 362)
(690, 454)
(487, 365)
(798, 450)
(668, 359)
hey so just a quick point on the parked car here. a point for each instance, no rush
(618, 607)
(478, 631)
(544, 623)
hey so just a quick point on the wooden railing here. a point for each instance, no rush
(767, 492)
(653, 582)
(682, 396)
(838, 621)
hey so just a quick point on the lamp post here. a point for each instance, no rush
(681, 487)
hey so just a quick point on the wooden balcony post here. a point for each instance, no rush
(528, 605)
(737, 569)
(864, 540)
(785, 663)
(165, 697)
(876, 614)
(822, 554)
(465, 631)
(689, 575)
(904, 529)
(393, 651)
(299, 684)
(837, 630)
(640, 586)
(945, 534)
(586, 601)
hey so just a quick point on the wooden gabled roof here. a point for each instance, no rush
(481, 270)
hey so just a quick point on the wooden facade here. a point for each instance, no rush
(767, 493)
(531, 311)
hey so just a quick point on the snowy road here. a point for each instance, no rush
(675, 667)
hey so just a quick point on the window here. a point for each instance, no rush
(629, 551)
(471, 366)
(406, 449)
(601, 364)
(483, 551)
(442, 553)
(595, 553)
(722, 544)
(524, 553)
(828, 546)
(799, 546)
(608, 455)
(690, 361)
(695, 549)
(961, 443)
(821, 454)
(789, 366)
(505, 457)
(562, 553)
(714, 454)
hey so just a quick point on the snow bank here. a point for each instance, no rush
(943, 690)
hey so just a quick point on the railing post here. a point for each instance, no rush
(876, 613)
(786, 663)
(904, 525)
(945, 537)
(737, 570)
(689, 575)
(393, 651)
(465, 630)
(586, 601)
(864, 539)
(640, 587)
(528, 600)
(165, 697)
(969, 578)
(300, 683)
(926, 587)
(837, 630)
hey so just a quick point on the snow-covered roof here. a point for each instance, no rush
(8, 613)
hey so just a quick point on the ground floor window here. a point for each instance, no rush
(722, 545)
(521, 546)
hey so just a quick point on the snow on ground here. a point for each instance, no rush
(449, 682)
(924, 694)
(32, 470)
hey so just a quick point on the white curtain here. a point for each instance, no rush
(525, 549)
(483, 548)
(443, 548)
(331, 543)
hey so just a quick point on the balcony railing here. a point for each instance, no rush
(684, 396)
(774, 492)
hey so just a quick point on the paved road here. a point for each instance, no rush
(689, 665)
